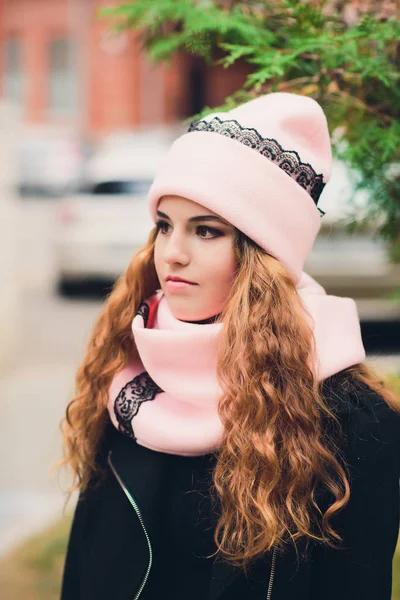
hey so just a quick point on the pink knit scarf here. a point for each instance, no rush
(167, 400)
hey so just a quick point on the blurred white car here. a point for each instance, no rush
(335, 252)
(96, 233)
(50, 160)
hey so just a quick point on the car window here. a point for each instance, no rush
(132, 187)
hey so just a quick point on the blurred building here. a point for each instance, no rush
(62, 65)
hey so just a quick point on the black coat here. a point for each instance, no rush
(143, 530)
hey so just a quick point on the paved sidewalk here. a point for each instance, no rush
(30, 442)
(34, 393)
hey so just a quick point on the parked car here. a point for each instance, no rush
(97, 232)
(357, 265)
(50, 160)
(336, 255)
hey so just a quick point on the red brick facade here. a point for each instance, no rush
(117, 86)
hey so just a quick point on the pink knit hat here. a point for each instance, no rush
(261, 166)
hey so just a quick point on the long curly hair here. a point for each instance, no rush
(275, 449)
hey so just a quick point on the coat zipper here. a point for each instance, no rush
(137, 510)
(272, 575)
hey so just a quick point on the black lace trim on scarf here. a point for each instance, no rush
(141, 389)
(287, 160)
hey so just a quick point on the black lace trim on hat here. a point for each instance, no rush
(287, 160)
(141, 389)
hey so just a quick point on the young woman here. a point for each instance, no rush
(227, 439)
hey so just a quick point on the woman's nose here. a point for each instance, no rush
(175, 249)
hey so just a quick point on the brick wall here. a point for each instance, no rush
(117, 86)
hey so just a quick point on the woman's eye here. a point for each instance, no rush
(200, 228)
(160, 224)
(215, 232)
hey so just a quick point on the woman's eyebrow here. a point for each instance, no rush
(199, 218)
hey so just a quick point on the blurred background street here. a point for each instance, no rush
(85, 119)
(51, 329)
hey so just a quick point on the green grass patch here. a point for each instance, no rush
(396, 574)
(33, 570)
(393, 381)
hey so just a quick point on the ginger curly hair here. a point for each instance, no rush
(275, 449)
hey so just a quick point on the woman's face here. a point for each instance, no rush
(198, 250)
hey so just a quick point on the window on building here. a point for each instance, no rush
(62, 77)
(13, 74)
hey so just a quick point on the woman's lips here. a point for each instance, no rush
(178, 286)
